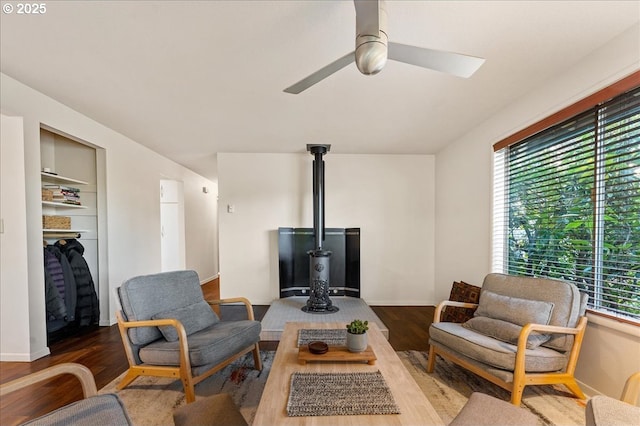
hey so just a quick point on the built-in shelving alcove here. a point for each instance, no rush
(72, 166)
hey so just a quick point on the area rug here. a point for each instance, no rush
(151, 400)
(331, 336)
(449, 388)
(336, 391)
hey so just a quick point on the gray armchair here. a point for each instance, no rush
(94, 409)
(169, 330)
(525, 331)
(604, 410)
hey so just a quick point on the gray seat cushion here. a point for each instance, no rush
(212, 345)
(193, 318)
(505, 331)
(568, 303)
(606, 411)
(485, 410)
(211, 411)
(493, 352)
(513, 309)
(104, 409)
(502, 318)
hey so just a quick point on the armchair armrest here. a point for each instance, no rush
(528, 328)
(242, 300)
(157, 323)
(92, 409)
(182, 336)
(82, 373)
(577, 331)
(440, 308)
(631, 389)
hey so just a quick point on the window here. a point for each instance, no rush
(567, 204)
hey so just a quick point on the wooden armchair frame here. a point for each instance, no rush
(631, 390)
(82, 373)
(521, 378)
(91, 409)
(182, 371)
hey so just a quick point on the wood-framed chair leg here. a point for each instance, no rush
(516, 394)
(431, 362)
(127, 379)
(189, 389)
(257, 361)
(573, 386)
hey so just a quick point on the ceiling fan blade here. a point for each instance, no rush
(321, 74)
(451, 63)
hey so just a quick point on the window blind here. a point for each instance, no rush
(617, 285)
(567, 205)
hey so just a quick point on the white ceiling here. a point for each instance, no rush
(190, 79)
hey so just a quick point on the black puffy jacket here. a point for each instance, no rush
(87, 307)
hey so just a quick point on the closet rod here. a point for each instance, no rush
(62, 235)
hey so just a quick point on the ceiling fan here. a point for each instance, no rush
(373, 49)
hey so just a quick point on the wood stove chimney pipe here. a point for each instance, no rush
(318, 192)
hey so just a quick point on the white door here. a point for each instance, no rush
(172, 225)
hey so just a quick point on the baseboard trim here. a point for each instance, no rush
(23, 357)
(15, 357)
(588, 390)
(212, 278)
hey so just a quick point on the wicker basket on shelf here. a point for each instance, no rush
(56, 222)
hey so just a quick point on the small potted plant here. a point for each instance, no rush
(357, 335)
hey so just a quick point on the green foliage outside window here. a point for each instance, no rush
(573, 197)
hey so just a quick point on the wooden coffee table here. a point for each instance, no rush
(414, 407)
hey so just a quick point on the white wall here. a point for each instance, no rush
(14, 273)
(389, 197)
(464, 196)
(132, 203)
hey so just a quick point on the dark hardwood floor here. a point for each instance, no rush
(101, 350)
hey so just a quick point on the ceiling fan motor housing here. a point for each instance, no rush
(371, 53)
(371, 38)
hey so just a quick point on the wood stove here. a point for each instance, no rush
(319, 259)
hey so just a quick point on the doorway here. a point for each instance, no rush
(172, 225)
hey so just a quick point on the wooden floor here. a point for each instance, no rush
(101, 350)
